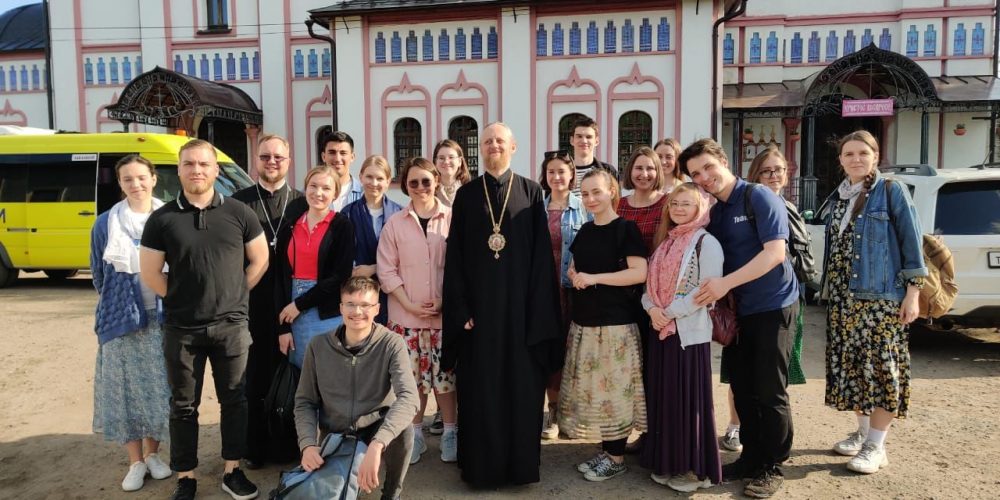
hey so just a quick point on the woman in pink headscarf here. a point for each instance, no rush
(681, 447)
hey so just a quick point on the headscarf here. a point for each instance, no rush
(123, 233)
(849, 192)
(666, 262)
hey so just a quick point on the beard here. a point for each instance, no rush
(497, 163)
(271, 177)
(195, 188)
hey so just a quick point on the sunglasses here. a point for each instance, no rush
(267, 158)
(561, 154)
(415, 183)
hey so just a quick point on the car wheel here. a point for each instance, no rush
(7, 276)
(61, 274)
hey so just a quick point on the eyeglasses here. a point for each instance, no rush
(685, 205)
(267, 158)
(448, 158)
(561, 153)
(778, 172)
(351, 306)
(415, 183)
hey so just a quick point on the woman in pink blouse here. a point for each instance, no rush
(410, 265)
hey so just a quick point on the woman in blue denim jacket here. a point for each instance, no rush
(873, 269)
(565, 216)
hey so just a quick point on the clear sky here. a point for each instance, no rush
(6, 5)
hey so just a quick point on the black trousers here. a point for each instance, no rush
(758, 376)
(225, 345)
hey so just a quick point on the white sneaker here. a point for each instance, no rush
(870, 459)
(687, 483)
(135, 477)
(852, 445)
(449, 446)
(419, 447)
(550, 430)
(157, 468)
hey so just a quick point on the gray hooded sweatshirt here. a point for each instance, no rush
(338, 389)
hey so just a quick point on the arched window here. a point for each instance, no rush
(635, 129)
(465, 131)
(321, 134)
(566, 130)
(406, 142)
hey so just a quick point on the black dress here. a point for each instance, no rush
(503, 363)
(264, 354)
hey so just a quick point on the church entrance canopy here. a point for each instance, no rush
(216, 112)
(816, 102)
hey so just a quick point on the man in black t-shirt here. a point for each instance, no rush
(205, 240)
(585, 139)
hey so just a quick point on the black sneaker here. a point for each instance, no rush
(238, 486)
(186, 488)
(766, 484)
(736, 471)
(437, 425)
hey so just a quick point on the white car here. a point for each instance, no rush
(963, 206)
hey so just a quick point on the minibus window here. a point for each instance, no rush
(13, 179)
(56, 178)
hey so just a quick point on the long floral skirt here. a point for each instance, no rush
(602, 396)
(867, 346)
(131, 395)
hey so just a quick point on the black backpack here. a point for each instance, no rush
(279, 409)
(798, 238)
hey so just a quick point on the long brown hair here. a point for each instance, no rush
(648, 153)
(676, 175)
(666, 223)
(758, 163)
(463, 174)
(869, 140)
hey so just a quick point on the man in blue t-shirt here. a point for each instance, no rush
(764, 285)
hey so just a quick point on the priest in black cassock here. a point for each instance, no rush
(270, 199)
(501, 318)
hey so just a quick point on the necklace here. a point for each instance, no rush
(267, 215)
(496, 241)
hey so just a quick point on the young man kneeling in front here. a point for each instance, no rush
(359, 377)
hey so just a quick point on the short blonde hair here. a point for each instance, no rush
(324, 170)
(268, 137)
(195, 144)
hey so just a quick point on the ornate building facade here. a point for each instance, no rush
(400, 75)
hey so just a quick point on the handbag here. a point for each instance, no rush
(337, 478)
(725, 330)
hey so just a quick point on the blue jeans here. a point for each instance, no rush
(308, 324)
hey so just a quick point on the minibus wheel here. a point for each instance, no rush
(60, 274)
(7, 276)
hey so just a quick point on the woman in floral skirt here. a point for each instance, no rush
(873, 272)
(602, 391)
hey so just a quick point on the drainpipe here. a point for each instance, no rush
(996, 39)
(736, 10)
(48, 64)
(333, 70)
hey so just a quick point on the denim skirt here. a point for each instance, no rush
(308, 324)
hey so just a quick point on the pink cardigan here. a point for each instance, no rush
(409, 259)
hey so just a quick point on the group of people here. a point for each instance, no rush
(495, 294)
